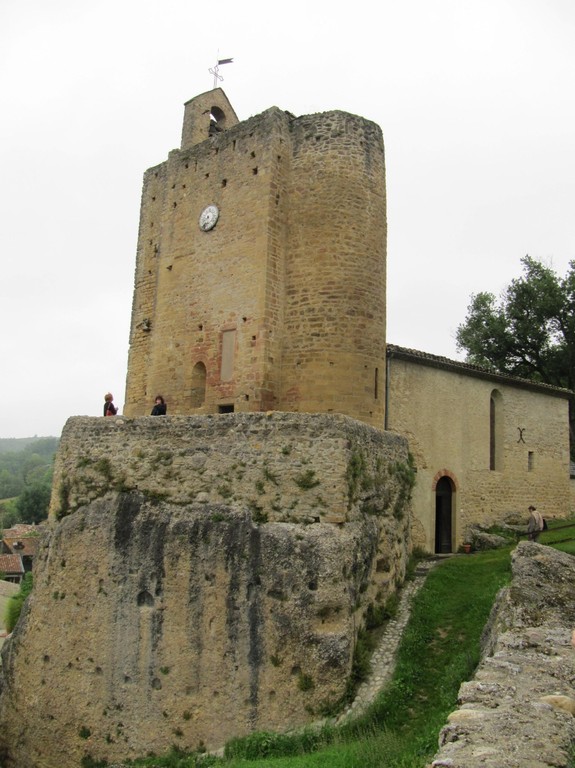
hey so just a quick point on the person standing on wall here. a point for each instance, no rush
(160, 408)
(109, 407)
(535, 525)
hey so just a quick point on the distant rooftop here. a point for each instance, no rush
(11, 564)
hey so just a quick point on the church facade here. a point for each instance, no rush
(485, 445)
(260, 285)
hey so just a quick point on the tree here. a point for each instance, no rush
(529, 332)
(8, 514)
(10, 484)
(31, 464)
(32, 504)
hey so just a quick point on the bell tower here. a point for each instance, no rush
(206, 115)
(261, 267)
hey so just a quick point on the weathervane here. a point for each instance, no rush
(215, 71)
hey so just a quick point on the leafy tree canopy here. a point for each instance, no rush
(9, 515)
(31, 464)
(32, 504)
(529, 332)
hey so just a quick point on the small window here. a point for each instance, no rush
(226, 408)
(530, 461)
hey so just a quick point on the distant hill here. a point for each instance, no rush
(15, 444)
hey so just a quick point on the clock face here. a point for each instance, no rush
(209, 217)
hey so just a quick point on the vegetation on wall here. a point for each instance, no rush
(355, 475)
(405, 473)
(14, 605)
(380, 486)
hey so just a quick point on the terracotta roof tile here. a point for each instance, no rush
(11, 564)
(21, 539)
(20, 529)
(21, 545)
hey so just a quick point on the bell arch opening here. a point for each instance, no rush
(217, 120)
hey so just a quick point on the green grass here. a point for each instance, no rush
(439, 650)
(560, 534)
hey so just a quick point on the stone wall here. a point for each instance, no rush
(282, 467)
(518, 711)
(334, 334)
(166, 611)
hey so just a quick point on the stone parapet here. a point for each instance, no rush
(283, 467)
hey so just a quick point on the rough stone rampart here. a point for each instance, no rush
(168, 611)
(283, 467)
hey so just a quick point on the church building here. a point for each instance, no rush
(260, 285)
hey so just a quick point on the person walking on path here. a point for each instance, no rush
(535, 524)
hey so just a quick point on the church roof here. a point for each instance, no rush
(467, 369)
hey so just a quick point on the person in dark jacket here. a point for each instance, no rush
(109, 407)
(160, 408)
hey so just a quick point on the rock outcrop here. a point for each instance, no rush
(161, 615)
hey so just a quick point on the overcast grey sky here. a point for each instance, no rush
(475, 99)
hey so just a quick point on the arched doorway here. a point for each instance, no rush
(443, 515)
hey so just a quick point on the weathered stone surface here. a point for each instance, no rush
(161, 615)
(482, 540)
(516, 712)
(285, 467)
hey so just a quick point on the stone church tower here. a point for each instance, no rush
(261, 267)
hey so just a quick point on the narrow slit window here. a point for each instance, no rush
(228, 348)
